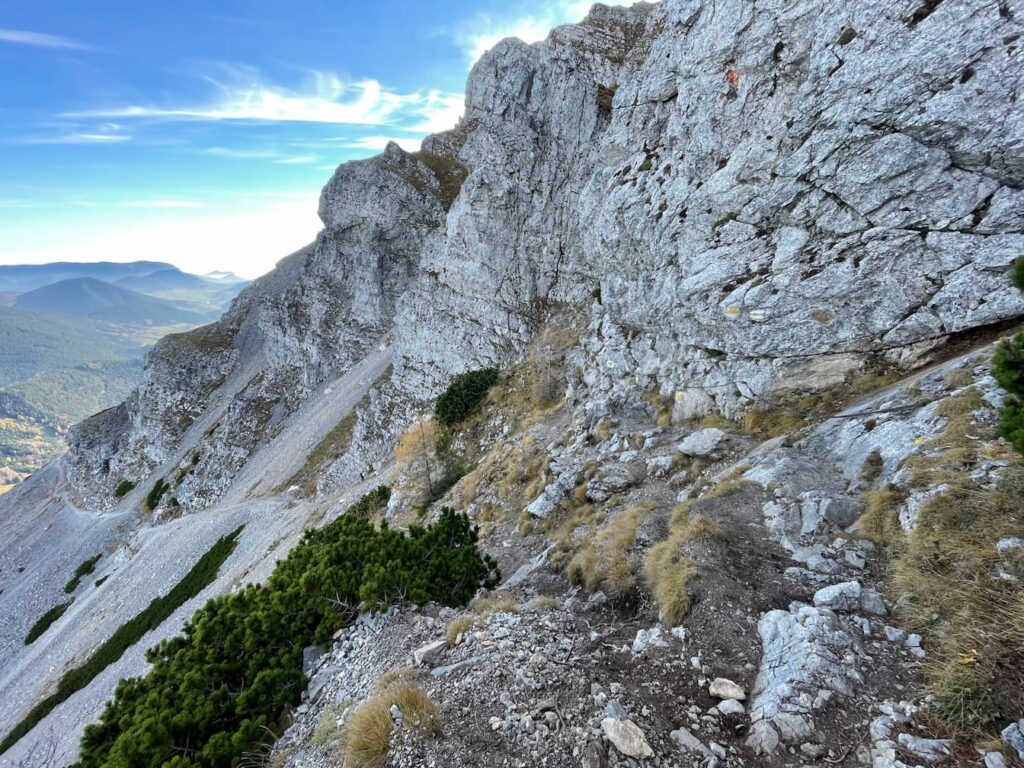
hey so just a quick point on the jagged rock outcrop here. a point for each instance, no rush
(762, 200)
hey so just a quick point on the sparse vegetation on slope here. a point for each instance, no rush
(465, 395)
(946, 567)
(219, 690)
(44, 621)
(82, 571)
(128, 634)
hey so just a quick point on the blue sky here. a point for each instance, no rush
(201, 132)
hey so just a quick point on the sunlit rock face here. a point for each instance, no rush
(752, 202)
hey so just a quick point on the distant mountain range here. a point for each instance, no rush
(73, 337)
(89, 297)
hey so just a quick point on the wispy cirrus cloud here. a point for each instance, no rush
(481, 32)
(102, 133)
(42, 40)
(244, 95)
(273, 155)
(161, 204)
(79, 138)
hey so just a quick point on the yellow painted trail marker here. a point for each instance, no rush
(732, 312)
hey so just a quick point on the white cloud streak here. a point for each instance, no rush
(161, 204)
(245, 96)
(79, 138)
(41, 40)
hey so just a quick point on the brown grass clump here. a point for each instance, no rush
(400, 675)
(417, 708)
(605, 560)
(327, 731)
(766, 424)
(494, 602)
(367, 732)
(872, 467)
(458, 627)
(667, 572)
(880, 522)
(729, 484)
(958, 378)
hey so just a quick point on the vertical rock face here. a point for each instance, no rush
(787, 184)
(513, 241)
(762, 199)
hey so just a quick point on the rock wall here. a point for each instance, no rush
(788, 189)
(756, 201)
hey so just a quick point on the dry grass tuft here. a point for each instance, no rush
(494, 602)
(417, 708)
(667, 572)
(458, 627)
(400, 675)
(327, 732)
(880, 522)
(872, 467)
(958, 377)
(544, 604)
(729, 484)
(367, 732)
(605, 560)
(766, 424)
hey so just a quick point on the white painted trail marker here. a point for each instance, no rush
(757, 315)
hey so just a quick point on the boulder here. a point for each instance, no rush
(703, 443)
(429, 653)
(627, 737)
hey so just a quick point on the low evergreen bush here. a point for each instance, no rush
(464, 395)
(195, 581)
(221, 688)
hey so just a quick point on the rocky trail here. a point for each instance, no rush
(791, 654)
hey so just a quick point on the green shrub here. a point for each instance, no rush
(1008, 370)
(195, 581)
(1008, 365)
(46, 620)
(221, 688)
(122, 488)
(1017, 273)
(1011, 423)
(83, 570)
(153, 498)
(464, 395)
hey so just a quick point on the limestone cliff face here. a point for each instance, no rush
(789, 189)
(763, 200)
